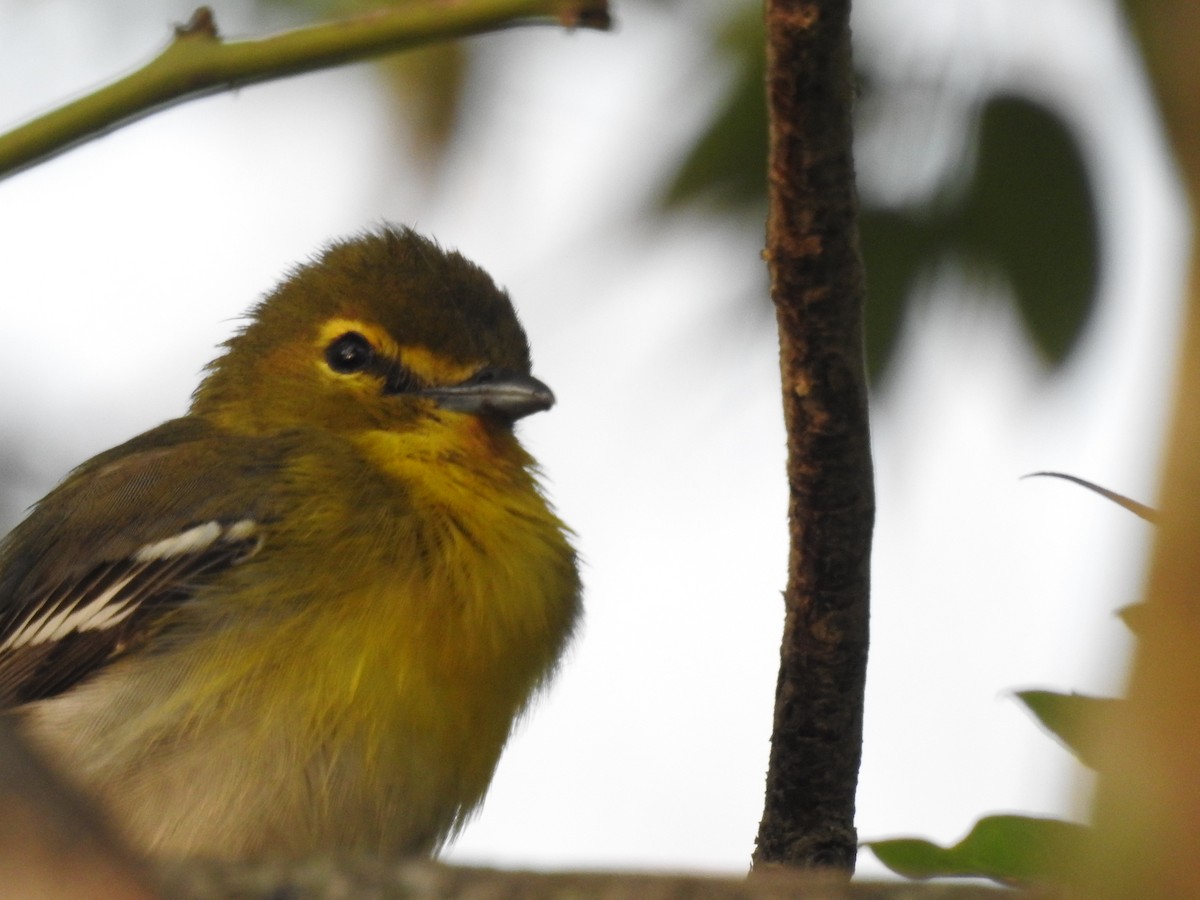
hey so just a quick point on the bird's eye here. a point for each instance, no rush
(349, 353)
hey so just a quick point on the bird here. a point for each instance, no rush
(303, 617)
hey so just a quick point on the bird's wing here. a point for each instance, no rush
(125, 539)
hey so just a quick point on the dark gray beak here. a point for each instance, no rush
(503, 394)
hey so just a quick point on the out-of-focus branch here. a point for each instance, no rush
(817, 288)
(52, 844)
(423, 880)
(198, 62)
(1147, 809)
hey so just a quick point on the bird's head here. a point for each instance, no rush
(378, 333)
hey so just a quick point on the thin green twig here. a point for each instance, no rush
(198, 62)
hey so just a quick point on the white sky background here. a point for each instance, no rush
(123, 263)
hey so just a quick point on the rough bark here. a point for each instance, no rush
(817, 288)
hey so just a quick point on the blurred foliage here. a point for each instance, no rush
(427, 84)
(424, 83)
(1021, 205)
(1030, 210)
(1009, 849)
(727, 166)
(1015, 849)
(1072, 718)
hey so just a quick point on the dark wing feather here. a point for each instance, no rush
(129, 536)
(77, 627)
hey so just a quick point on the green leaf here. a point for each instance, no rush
(1009, 849)
(1072, 718)
(1029, 211)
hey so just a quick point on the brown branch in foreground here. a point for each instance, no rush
(329, 879)
(1147, 806)
(52, 844)
(817, 288)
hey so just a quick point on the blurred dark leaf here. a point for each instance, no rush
(425, 83)
(1026, 211)
(1072, 718)
(1008, 849)
(1029, 210)
(894, 246)
(727, 166)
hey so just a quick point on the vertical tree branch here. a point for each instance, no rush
(817, 288)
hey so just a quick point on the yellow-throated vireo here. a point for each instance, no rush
(303, 617)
